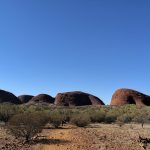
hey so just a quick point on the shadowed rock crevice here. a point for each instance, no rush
(146, 102)
(130, 100)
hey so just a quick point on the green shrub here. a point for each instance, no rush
(66, 114)
(97, 116)
(110, 118)
(125, 118)
(7, 111)
(25, 126)
(56, 118)
(142, 116)
(80, 120)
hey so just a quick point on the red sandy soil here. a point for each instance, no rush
(94, 137)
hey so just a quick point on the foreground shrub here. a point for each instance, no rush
(25, 126)
(56, 118)
(142, 116)
(110, 118)
(125, 118)
(66, 114)
(80, 120)
(7, 111)
(97, 116)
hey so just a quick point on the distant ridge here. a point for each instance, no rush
(120, 97)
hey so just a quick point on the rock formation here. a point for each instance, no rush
(7, 97)
(42, 98)
(76, 98)
(128, 96)
(25, 98)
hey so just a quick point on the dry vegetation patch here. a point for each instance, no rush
(74, 128)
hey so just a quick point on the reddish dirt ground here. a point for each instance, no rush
(94, 137)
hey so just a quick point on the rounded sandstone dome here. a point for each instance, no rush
(25, 98)
(76, 98)
(7, 97)
(42, 98)
(128, 96)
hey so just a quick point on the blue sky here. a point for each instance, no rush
(95, 46)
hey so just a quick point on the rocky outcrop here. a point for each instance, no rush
(41, 98)
(76, 98)
(128, 96)
(7, 97)
(25, 98)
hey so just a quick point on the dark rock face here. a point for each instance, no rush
(128, 96)
(25, 98)
(76, 98)
(42, 98)
(7, 97)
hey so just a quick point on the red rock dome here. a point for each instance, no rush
(25, 98)
(7, 97)
(42, 98)
(129, 96)
(76, 98)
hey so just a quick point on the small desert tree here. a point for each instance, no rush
(56, 118)
(27, 125)
(142, 116)
(125, 118)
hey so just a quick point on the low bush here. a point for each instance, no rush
(56, 118)
(25, 126)
(80, 120)
(110, 118)
(142, 116)
(66, 114)
(7, 111)
(97, 116)
(125, 118)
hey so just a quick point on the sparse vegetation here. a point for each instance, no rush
(56, 118)
(25, 122)
(60, 115)
(110, 117)
(80, 120)
(142, 116)
(25, 126)
(125, 118)
(7, 111)
(97, 116)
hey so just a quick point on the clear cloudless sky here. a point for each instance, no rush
(95, 46)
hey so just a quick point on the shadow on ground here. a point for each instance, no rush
(49, 141)
(65, 128)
